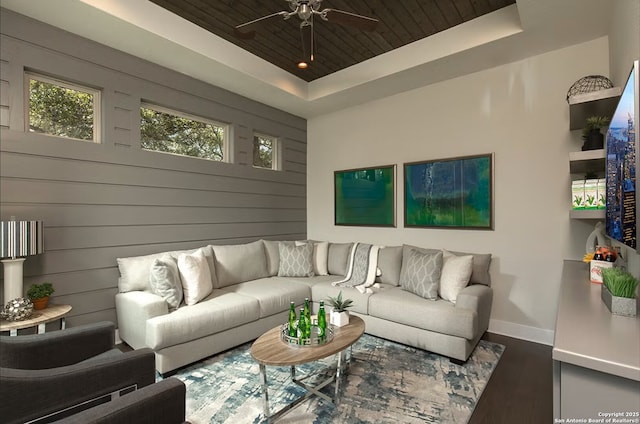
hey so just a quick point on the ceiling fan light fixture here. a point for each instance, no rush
(304, 11)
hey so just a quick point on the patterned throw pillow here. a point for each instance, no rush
(165, 280)
(421, 273)
(295, 261)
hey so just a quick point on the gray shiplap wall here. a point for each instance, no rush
(109, 200)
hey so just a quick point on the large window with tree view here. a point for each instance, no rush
(63, 109)
(169, 131)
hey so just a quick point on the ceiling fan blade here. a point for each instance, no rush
(246, 30)
(347, 18)
(306, 35)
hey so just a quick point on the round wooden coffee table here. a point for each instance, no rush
(269, 349)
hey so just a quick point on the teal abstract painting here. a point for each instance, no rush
(454, 193)
(365, 196)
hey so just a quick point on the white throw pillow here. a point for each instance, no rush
(196, 276)
(320, 256)
(165, 280)
(456, 272)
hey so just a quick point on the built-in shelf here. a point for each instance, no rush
(587, 161)
(596, 103)
(587, 214)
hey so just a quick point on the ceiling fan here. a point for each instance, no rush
(306, 10)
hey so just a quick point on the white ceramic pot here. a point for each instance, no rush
(339, 319)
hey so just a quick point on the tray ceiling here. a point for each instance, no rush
(336, 46)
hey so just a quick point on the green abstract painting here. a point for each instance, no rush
(455, 193)
(365, 196)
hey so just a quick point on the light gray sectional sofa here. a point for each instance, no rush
(188, 305)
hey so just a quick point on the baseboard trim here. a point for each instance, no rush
(524, 332)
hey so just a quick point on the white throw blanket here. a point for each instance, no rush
(362, 268)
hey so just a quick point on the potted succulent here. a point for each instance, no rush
(339, 315)
(619, 292)
(593, 138)
(39, 294)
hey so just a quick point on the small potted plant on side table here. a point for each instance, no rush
(339, 315)
(619, 292)
(39, 294)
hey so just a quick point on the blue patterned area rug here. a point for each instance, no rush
(386, 383)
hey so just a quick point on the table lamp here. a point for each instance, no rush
(18, 239)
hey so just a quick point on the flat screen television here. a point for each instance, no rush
(622, 201)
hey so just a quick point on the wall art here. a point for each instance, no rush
(449, 193)
(365, 196)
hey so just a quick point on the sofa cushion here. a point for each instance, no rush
(135, 271)
(195, 276)
(406, 308)
(296, 260)
(218, 312)
(273, 255)
(338, 258)
(273, 294)
(239, 263)
(456, 271)
(420, 273)
(481, 264)
(165, 280)
(389, 264)
(320, 256)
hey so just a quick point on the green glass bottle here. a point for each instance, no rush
(307, 317)
(322, 322)
(293, 332)
(302, 326)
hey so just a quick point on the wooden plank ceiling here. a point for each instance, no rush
(337, 46)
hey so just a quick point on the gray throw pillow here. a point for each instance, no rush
(295, 261)
(164, 279)
(420, 273)
(390, 263)
(338, 258)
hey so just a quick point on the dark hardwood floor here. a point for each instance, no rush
(521, 387)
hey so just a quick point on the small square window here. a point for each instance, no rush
(62, 109)
(265, 148)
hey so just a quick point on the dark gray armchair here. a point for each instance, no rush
(159, 403)
(53, 375)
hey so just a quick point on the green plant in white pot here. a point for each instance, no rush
(619, 291)
(339, 315)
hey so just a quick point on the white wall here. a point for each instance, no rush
(517, 111)
(624, 38)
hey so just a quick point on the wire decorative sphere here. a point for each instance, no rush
(589, 84)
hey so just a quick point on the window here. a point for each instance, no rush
(63, 109)
(265, 151)
(168, 131)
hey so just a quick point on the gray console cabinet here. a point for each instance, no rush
(596, 355)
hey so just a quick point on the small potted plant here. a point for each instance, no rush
(593, 138)
(339, 315)
(619, 292)
(39, 294)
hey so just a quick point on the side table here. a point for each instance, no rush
(39, 318)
